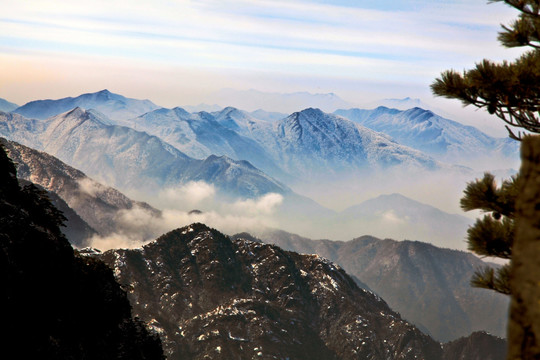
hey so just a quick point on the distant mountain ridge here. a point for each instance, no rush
(207, 294)
(399, 217)
(252, 100)
(421, 129)
(112, 105)
(7, 106)
(126, 158)
(429, 286)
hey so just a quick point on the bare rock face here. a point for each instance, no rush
(212, 297)
(524, 326)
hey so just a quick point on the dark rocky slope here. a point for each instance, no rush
(212, 297)
(58, 305)
(98, 205)
(427, 285)
(479, 345)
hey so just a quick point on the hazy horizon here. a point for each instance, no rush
(179, 52)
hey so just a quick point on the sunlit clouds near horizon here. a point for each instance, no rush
(176, 52)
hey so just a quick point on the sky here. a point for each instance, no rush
(180, 52)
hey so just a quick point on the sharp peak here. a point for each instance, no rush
(312, 109)
(308, 111)
(229, 109)
(101, 92)
(419, 109)
(88, 114)
(190, 230)
(76, 110)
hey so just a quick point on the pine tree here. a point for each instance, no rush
(511, 91)
(493, 235)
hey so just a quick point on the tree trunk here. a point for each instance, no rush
(524, 324)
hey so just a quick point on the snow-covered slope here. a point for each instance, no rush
(424, 130)
(312, 141)
(306, 143)
(129, 159)
(112, 105)
(200, 135)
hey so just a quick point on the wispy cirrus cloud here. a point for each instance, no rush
(401, 41)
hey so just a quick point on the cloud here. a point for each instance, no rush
(263, 206)
(263, 37)
(89, 186)
(194, 194)
(392, 218)
(138, 226)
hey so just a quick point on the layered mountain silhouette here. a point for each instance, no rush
(427, 285)
(7, 106)
(112, 105)
(210, 296)
(129, 159)
(424, 130)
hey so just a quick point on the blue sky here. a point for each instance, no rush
(178, 52)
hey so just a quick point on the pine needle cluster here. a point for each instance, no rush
(492, 235)
(510, 90)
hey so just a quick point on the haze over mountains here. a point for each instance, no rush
(114, 105)
(443, 139)
(252, 100)
(138, 148)
(206, 293)
(7, 106)
(427, 285)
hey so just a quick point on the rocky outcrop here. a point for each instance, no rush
(210, 296)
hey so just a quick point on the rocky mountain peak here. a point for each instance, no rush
(209, 295)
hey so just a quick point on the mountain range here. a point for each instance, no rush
(441, 138)
(102, 208)
(306, 143)
(210, 296)
(248, 157)
(112, 105)
(252, 100)
(128, 159)
(7, 106)
(298, 146)
(247, 297)
(427, 285)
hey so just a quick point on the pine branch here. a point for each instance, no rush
(490, 237)
(489, 278)
(483, 194)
